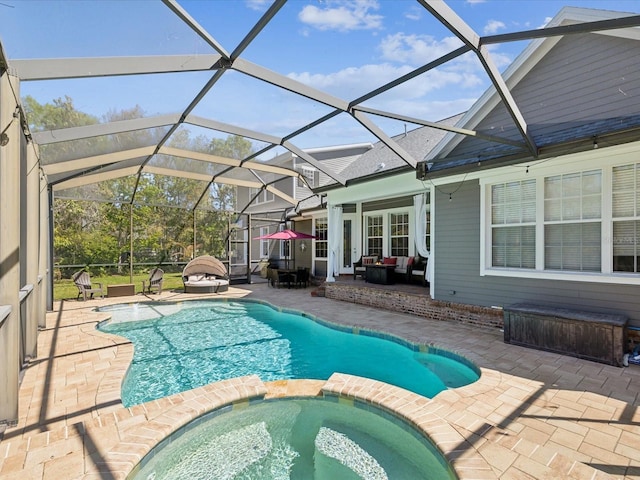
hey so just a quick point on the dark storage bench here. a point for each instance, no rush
(592, 336)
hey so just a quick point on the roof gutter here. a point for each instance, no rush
(443, 168)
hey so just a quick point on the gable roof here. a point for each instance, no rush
(381, 160)
(572, 90)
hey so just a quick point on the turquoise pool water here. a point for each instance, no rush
(296, 439)
(181, 346)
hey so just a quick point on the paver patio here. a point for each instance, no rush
(532, 414)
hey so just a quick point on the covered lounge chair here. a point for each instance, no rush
(155, 281)
(205, 274)
(82, 280)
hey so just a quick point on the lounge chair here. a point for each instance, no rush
(155, 281)
(82, 280)
(205, 274)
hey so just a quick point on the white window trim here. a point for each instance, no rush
(264, 242)
(309, 173)
(614, 156)
(263, 197)
(386, 227)
(313, 243)
(408, 236)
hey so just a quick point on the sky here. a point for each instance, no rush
(345, 48)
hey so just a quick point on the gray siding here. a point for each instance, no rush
(457, 267)
(385, 203)
(583, 79)
(457, 244)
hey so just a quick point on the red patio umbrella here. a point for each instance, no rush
(287, 234)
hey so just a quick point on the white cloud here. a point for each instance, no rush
(342, 15)
(416, 49)
(414, 13)
(546, 22)
(493, 26)
(473, 2)
(433, 110)
(352, 82)
(259, 5)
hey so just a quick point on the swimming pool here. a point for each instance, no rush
(180, 346)
(323, 439)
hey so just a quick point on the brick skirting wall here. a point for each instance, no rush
(419, 305)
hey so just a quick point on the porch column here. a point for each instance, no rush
(334, 225)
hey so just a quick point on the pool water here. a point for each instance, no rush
(182, 346)
(296, 439)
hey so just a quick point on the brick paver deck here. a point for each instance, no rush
(532, 414)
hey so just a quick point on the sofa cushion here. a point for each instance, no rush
(403, 264)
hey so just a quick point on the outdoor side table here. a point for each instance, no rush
(121, 290)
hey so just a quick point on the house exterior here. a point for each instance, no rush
(560, 227)
(377, 206)
(270, 213)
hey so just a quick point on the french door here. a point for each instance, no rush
(348, 247)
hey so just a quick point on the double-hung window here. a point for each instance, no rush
(566, 223)
(572, 222)
(263, 196)
(625, 180)
(321, 242)
(285, 249)
(513, 224)
(399, 234)
(375, 235)
(311, 176)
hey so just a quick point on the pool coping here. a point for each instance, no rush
(417, 411)
(428, 416)
(421, 413)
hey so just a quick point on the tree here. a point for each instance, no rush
(94, 227)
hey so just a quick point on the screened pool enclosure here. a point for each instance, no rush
(151, 132)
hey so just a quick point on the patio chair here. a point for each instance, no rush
(276, 277)
(417, 271)
(82, 280)
(359, 267)
(302, 277)
(155, 281)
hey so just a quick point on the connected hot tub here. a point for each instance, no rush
(296, 438)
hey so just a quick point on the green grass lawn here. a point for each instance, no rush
(66, 289)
